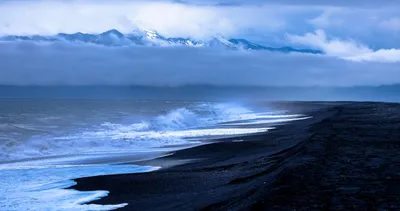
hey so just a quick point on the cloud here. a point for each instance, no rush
(391, 24)
(383, 55)
(261, 21)
(364, 24)
(357, 3)
(27, 63)
(332, 47)
(346, 49)
(328, 18)
(171, 19)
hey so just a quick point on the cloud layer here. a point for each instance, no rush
(172, 19)
(346, 49)
(265, 21)
(60, 64)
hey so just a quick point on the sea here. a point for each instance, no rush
(46, 143)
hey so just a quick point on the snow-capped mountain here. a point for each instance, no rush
(143, 37)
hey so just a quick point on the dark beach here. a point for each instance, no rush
(344, 158)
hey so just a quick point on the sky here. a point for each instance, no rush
(360, 38)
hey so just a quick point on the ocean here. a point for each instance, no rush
(45, 143)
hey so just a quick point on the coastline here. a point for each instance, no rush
(315, 164)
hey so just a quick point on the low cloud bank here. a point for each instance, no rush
(346, 49)
(25, 63)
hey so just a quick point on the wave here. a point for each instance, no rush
(185, 118)
(185, 126)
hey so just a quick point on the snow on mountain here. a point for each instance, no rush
(144, 37)
(148, 34)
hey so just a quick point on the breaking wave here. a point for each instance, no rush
(185, 118)
(181, 126)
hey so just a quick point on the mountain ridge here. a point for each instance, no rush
(144, 37)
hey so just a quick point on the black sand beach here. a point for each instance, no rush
(344, 158)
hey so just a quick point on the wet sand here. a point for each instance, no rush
(347, 157)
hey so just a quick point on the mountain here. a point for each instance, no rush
(245, 44)
(143, 37)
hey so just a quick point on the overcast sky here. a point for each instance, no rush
(375, 23)
(360, 39)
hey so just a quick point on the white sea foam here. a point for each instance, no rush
(180, 126)
(180, 134)
(265, 121)
(43, 188)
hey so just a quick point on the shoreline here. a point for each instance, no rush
(266, 171)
